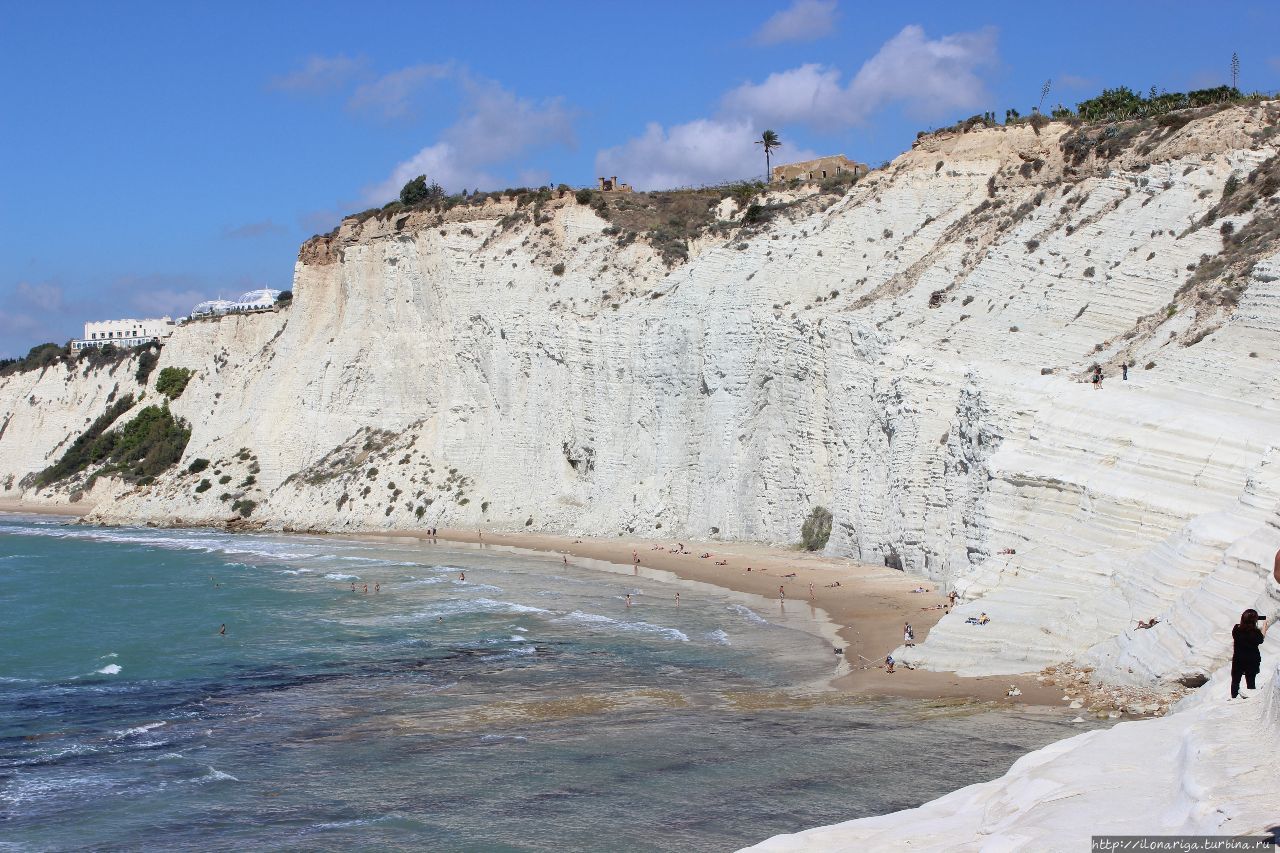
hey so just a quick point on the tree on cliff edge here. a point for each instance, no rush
(771, 142)
(417, 190)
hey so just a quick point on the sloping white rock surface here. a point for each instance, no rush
(1206, 770)
(910, 355)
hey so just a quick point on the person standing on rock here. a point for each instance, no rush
(1246, 659)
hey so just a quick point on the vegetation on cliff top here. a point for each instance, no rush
(44, 356)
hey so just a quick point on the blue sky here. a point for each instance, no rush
(156, 154)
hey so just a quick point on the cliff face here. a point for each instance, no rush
(910, 356)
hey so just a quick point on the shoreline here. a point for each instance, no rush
(866, 611)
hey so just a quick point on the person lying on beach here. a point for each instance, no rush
(704, 555)
(793, 574)
(978, 620)
(832, 585)
(722, 562)
(1150, 623)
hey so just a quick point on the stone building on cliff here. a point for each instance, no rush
(817, 170)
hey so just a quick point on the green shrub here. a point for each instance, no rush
(147, 445)
(88, 447)
(245, 507)
(224, 479)
(583, 196)
(204, 486)
(816, 529)
(173, 381)
(147, 358)
(285, 297)
(197, 466)
(558, 269)
(38, 357)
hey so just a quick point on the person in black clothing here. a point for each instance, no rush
(1246, 659)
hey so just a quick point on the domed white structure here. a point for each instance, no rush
(212, 307)
(256, 300)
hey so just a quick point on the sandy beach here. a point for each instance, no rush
(66, 510)
(869, 606)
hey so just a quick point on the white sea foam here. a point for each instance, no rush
(718, 637)
(109, 669)
(138, 730)
(596, 619)
(503, 738)
(338, 576)
(518, 652)
(743, 610)
(480, 587)
(216, 775)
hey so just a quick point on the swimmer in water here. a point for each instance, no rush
(628, 599)
(223, 630)
(353, 586)
(462, 576)
(377, 587)
(677, 599)
(366, 589)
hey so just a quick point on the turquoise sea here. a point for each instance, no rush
(525, 707)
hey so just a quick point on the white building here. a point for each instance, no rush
(256, 300)
(124, 333)
(212, 308)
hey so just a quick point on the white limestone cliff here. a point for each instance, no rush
(910, 356)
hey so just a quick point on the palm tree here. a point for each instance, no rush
(770, 141)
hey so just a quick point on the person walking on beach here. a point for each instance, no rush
(1246, 659)
(908, 636)
(1097, 377)
(782, 592)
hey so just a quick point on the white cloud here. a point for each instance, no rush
(44, 296)
(495, 127)
(705, 151)
(804, 20)
(319, 74)
(931, 77)
(927, 76)
(810, 94)
(391, 95)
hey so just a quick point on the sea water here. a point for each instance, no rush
(525, 707)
